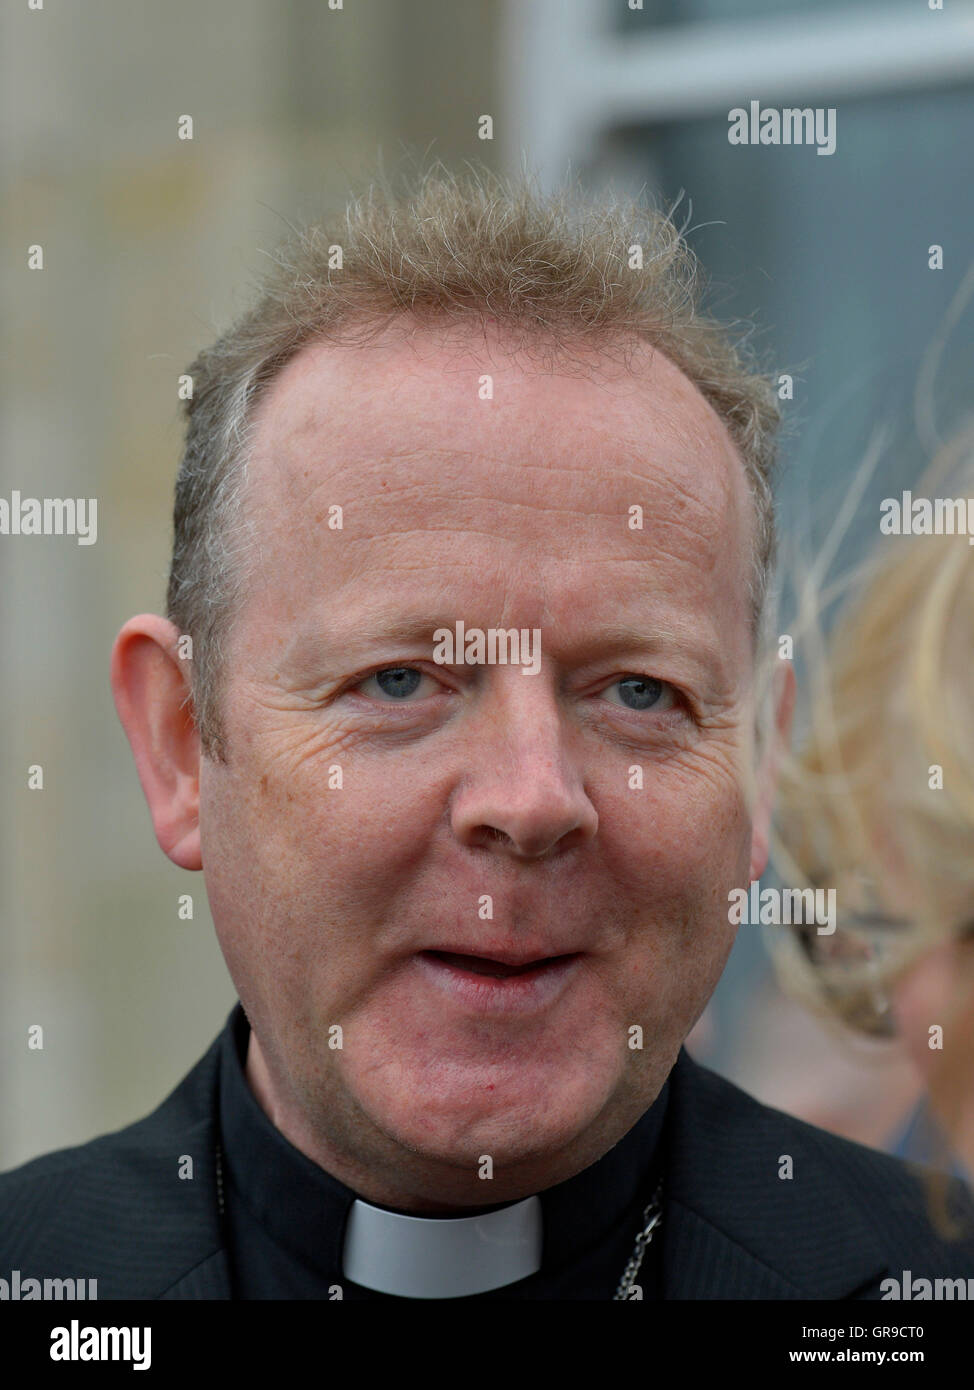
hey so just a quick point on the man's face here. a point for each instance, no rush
(596, 812)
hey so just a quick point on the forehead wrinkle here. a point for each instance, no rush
(690, 421)
(393, 497)
(399, 489)
(688, 554)
(676, 537)
(687, 418)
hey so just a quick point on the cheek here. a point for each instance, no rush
(685, 836)
(292, 852)
(673, 858)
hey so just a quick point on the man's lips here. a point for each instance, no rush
(503, 984)
(500, 966)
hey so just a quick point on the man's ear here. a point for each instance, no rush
(150, 684)
(776, 740)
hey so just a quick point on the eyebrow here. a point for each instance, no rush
(615, 637)
(379, 629)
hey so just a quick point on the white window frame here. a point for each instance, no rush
(569, 80)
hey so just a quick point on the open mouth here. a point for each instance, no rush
(484, 965)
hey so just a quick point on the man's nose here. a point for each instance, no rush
(524, 792)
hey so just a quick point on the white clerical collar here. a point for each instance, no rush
(441, 1257)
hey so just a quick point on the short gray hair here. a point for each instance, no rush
(553, 267)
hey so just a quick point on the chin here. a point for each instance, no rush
(513, 1117)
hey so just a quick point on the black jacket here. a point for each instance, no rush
(114, 1210)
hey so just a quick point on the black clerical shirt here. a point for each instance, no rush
(285, 1217)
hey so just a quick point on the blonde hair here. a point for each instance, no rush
(879, 801)
(555, 269)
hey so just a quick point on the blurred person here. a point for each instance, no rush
(880, 803)
(472, 905)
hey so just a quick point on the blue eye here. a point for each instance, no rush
(641, 693)
(396, 682)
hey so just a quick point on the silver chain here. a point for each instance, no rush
(652, 1216)
(651, 1219)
